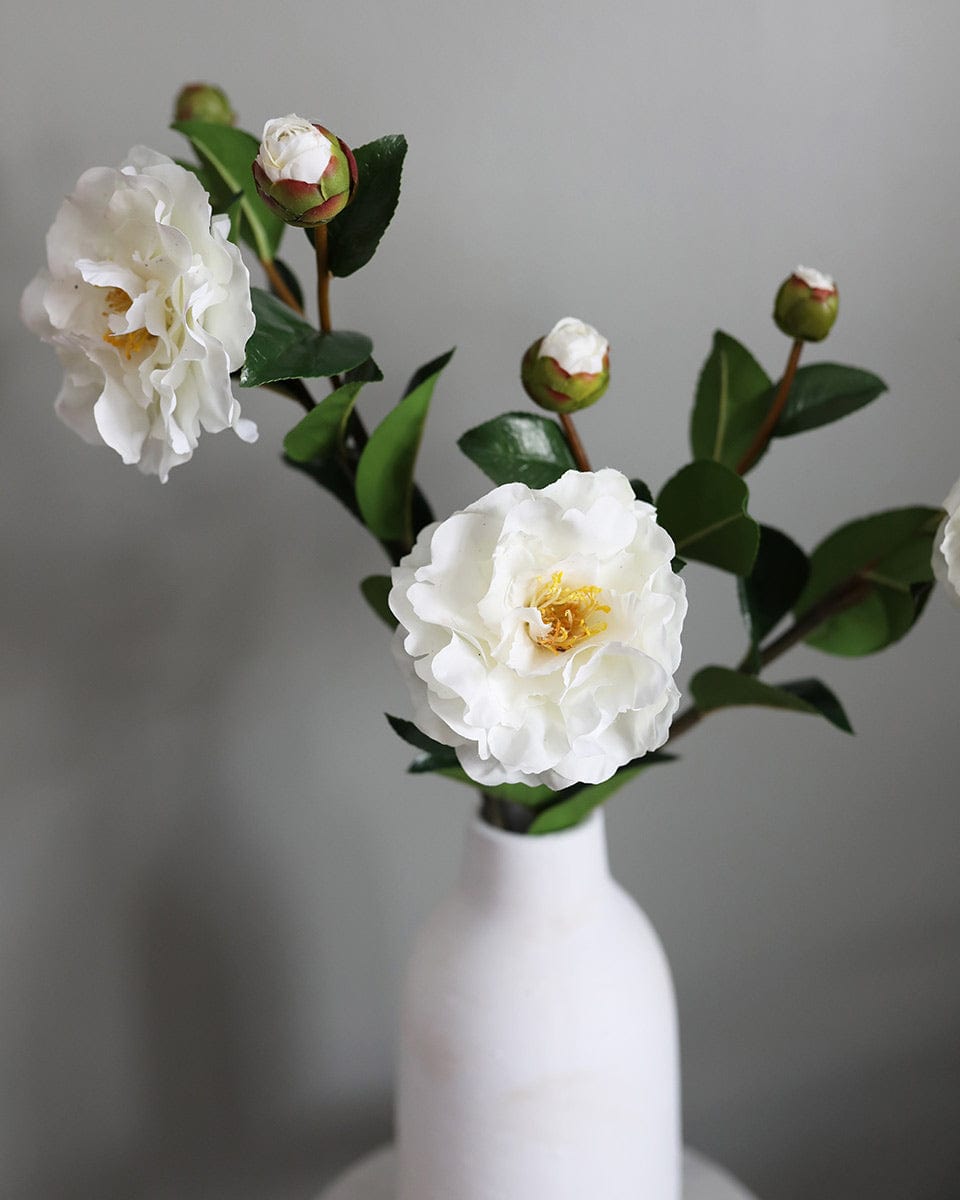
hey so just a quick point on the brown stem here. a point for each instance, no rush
(279, 285)
(573, 441)
(845, 596)
(323, 277)
(765, 432)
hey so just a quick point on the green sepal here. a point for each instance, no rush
(704, 509)
(769, 592)
(375, 590)
(519, 448)
(888, 557)
(354, 235)
(576, 803)
(284, 346)
(731, 402)
(825, 392)
(385, 488)
(230, 152)
(722, 687)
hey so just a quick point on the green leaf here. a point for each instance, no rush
(230, 153)
(355, 234)
(722, 687)
(331, 475)
(825, 392)
(413, 736)
(519, 447)
(704, 509)
(731, 402)
(284, 346)
(577, 803)
(385, 470)
(641, 491)
(376, 589)
(888, 555)
(771, 589)
(321, 433)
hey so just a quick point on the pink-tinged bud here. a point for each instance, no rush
(806, 305)
(203, 102)
(567, 370)
(303, 172)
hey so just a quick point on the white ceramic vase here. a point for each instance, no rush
(538, 1040)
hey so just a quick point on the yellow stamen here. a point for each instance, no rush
(568, 613)
(131, 343)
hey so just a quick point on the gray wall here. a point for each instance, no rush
(210, 858)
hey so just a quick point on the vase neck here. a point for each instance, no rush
(556, 870)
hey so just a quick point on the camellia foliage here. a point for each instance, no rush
(539, 626)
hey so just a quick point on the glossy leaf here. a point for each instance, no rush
(356, 232)
(320, 434)
(770, 591)
(230, 153)
(722, 687)
(577, 803)
(704, 509)
(414, 736)
(385, 471)
(519, 447)
(889, 555)
(825, 392)
(733, 397)
(376, 589)
(284, 346)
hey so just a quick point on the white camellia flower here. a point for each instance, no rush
(292, 148)
(818, 281)
(148, 307)
(946, 546)
(576, 346)
(540, 631)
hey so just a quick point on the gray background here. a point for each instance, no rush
(210, 859)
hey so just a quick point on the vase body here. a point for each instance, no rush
(538, 1041)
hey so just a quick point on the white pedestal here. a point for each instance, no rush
(372, 1178)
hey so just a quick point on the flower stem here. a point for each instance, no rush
(765, 432)
(323, 277)
(279, 286)
(573, 441)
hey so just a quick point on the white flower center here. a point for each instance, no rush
(132, 342)
(569, 614)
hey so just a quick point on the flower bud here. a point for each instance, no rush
(806, 305)
(567, 370)
(304, 172)
(203, 102)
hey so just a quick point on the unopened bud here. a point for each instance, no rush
(806, 305)
(203, 102)
(304, 172)
(567, 370)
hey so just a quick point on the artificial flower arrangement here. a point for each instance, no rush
(539, 627)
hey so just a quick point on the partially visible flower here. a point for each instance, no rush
(806, 305)
(148, 307)
(569, 369)
(203, 102)
(946, 546)
(304, 172)
(540, 631)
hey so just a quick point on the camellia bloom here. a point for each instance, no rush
(148, 307)
(946, 546)
(540, 631)
(806, 305)
(569, 369)
(304, 172)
